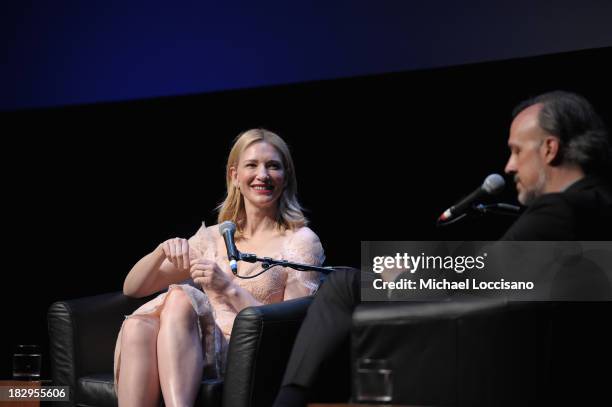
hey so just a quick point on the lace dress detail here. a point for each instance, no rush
(215, 317)
(304, 247)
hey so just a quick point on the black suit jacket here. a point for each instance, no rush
(581, 212)
(581, 333)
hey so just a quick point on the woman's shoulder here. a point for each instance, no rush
(303, 245)
(207, 231)
(304, 238)
(212, 230)
(302, 234)
(205, 238)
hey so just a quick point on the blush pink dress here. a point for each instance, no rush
(216, 318)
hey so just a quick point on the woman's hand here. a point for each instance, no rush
(177, 252)
(209, 275)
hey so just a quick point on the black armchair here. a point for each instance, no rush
(82, 334)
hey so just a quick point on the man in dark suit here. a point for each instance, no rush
(560, 155)
(559, 152)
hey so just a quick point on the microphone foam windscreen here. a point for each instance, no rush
(227, 226)
(494, 184)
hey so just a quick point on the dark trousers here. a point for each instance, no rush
(326, 327)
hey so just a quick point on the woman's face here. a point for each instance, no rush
(260, 174)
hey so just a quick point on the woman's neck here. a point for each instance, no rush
(258, 221)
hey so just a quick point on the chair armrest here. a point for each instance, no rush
(259, 348)
(415, 312)
(82, 334)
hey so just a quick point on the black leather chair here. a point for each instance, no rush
(478, 352)
(82, 334)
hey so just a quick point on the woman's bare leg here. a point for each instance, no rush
(179, 351)
(138, 383)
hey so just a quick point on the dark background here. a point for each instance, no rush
(88, 190)
(67, 52)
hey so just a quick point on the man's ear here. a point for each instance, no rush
(552, 150)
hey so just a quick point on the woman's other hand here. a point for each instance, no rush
(177, 252)
(209, 275)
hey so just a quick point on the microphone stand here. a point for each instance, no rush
(499, 209)
(267, 262)
(480, 209)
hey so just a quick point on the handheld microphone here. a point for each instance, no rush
(492, 185)
(227, 230)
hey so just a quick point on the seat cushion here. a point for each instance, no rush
(97, 390)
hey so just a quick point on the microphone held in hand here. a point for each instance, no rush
(227, 230)
(492, 185)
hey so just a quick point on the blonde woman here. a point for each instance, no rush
(166, 346)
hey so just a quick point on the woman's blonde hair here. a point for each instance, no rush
(289, 214)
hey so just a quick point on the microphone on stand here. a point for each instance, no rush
(492, 185)
(227, 230)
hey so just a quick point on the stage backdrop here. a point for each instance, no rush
(66, 52)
